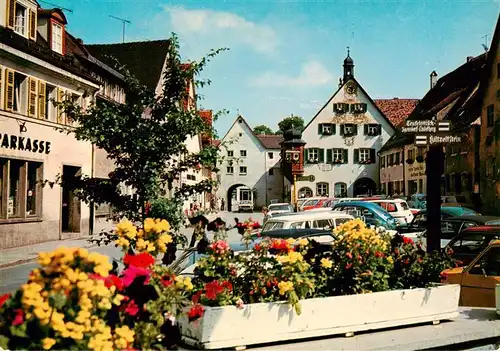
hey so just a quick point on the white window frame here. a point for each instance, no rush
(322, 189)
(243, 153)
(364, 155)
(343, 189)
(348, 129)
(243, 170)
(20, 103)
(230, 170)
(313, 154)
(21, 22)
(372, 129)
(230, 153)
(338, 154)
(57, 33)
(326, 129)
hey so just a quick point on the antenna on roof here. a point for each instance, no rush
(56, 6)
(124, 21)
(485, 45)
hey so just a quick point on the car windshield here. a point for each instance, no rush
(495, 222)
(279, 208)
(472, 243)
(270, 225)
(468, 212)
(422, 198)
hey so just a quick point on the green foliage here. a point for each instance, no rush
(262, 130)
(144, 137)
(290, 122)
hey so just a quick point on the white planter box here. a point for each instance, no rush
(228, 326)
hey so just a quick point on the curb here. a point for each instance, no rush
(28, 260)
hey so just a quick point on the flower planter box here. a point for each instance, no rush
(223, 327)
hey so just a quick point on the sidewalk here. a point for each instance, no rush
(24, 254)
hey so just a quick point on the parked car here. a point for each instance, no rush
(245, 205)
(278, 209)
(326, 206)
(397, 208)
(370, 213)
(471, 241)
(320, 220)
(455, 201)
(479, 278)
(314, 203)
(418, 201)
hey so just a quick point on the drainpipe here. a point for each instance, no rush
(92, 205)
(405, 186)
(267, 176)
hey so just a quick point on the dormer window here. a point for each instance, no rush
(20, 19)
(57, 38)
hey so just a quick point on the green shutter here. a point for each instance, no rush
(334, 129)
(356, 155)
(365, 126)
(345, 156)
(306, 155)
(321, 155)
(320, 129)
(341, 129)
(329, 156)
(355, 129)
(372, 156)
(379, 129)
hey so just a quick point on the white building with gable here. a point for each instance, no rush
(342, 142)
(250, 167)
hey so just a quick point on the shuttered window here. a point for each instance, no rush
(9, 90)
(1, 85)
(32, 25)
(42, 100)
(32, 97)
(60, 113)
(11, 13)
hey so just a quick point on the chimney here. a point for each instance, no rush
(433, 79)
(469, 58)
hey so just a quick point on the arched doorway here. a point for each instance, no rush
(364, 186)
(236, 193)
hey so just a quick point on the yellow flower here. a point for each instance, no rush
(149, 225)
(295, 256)
(165, 239)
(124, 243)
(141, 244)
(187, 284)
(117, 299)
(291, 241)
(326, 263)
(284, 287)
(47, 343)
(390, 260)
(125, 333)
(303, 242)
(44, 259)
(151, 247)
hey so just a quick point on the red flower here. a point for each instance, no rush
(167, 280)
(280, 245)
(113, 280)
(258, 247)
(407, 240)
(263, 291)
(19, 318)
(133, 272)
(196, 297)
(132, 308)
(213, 289)
(349, 255)
(407, 261)
(94, 276)
(268, 284)
(142, 260)
(195, 312)
(220, 247)
(348, 266)
(379, 254)
(227, 285)
(4, 298)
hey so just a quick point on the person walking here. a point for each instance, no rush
(222, 204)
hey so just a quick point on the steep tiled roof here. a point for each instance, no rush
(144, 59)
(206, 115)
(216, 142)
(396, 110)
(271, 141)
(454, 98)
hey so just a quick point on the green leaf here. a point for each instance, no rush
(4, 342)
(19, 330)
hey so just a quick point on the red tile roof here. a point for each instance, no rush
(271, 141)
(206, 115)
(216, 142)
(396, 110)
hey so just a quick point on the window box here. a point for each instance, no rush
(348, 130)
(410, 161)
(340, 107)
(228, 327)
(420, 158)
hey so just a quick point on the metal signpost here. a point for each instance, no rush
(434, 134)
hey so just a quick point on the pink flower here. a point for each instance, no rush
(132, 272)
(132, 308)
(240, 304)
(220, 247)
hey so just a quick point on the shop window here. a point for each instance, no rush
(20, 91)
(50, 96)
(21, 182)
(33, 188)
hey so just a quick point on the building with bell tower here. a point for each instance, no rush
(343, 139)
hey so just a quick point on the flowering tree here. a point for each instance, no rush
(144, 138)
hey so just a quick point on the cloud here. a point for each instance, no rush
(312, 73)
(233, 29)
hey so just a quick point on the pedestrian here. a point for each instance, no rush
(222, 204)
(265, 212)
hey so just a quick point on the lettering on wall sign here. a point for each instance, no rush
(24, 144)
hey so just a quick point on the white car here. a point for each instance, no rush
(305, 220)
(397, 208)
(275, 209)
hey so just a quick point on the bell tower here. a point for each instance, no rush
(348, 67)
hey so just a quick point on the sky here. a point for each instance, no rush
(285, 57)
